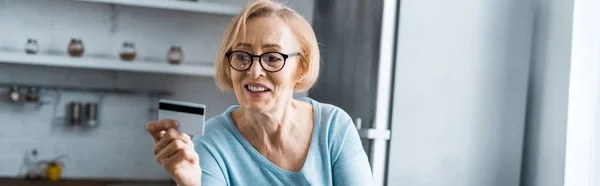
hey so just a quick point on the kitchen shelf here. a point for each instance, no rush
(179, 5)
(107, 64)
(135, 91)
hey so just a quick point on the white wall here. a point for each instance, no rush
(460, 92)
(544, 156)
(583, 131)
(119, 147)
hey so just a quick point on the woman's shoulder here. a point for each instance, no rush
(222, 121)
(216, 124)
(327, 110)
(331, 117)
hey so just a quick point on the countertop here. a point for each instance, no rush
(4, 181)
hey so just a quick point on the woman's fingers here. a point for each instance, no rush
(186, 156)
(172, 148)
(155, 128)
(175, 152)
(191, 155)
(170, 135)
(161, 134)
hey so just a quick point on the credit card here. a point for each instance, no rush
(190, 115)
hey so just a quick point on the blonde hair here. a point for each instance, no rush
(309, 54)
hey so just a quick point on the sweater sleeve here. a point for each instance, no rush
(350, 164)
(212, 175)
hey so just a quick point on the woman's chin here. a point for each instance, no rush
(255, 105)
(257, 102)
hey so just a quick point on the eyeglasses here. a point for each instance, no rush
(270, 61)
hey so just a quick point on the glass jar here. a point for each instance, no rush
(128, 52)
(15, 94)
(33, 166)
(32, 95)
(31, 47)
(76, 48)
(175, 55)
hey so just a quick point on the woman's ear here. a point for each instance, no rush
(302, 74)
(301, 78)
(303, 71)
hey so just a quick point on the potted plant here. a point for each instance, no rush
(54, 167)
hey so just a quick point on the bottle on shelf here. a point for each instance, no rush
(31, 47)
(175, 55)
(76, 48)
(128, 52)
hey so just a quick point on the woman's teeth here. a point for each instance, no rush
(256, 89)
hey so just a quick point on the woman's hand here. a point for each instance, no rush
(175, 152)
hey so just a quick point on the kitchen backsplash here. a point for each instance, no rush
(119, 146)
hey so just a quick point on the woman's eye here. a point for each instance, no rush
(242, 57)
(272, 58)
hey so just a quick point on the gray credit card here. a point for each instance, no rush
(190, 115)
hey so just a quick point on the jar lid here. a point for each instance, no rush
(32, 40)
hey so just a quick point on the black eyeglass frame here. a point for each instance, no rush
(285, 57)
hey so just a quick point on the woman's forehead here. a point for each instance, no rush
(266, 32)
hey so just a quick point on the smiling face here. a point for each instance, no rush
(256, 88)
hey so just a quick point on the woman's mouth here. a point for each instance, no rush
(256, 88)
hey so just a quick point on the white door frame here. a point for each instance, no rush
(380, 133)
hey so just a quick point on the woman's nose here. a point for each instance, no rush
(256, 70)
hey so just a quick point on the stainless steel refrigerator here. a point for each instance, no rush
(438, 88)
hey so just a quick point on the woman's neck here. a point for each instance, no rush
(269, 127)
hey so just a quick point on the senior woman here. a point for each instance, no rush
(268, 52)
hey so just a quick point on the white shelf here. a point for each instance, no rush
(179, 5)
(107, 64)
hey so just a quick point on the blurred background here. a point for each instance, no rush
(452, 93)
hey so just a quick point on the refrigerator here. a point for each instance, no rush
(437, 89)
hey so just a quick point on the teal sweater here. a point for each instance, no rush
(335, 156)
